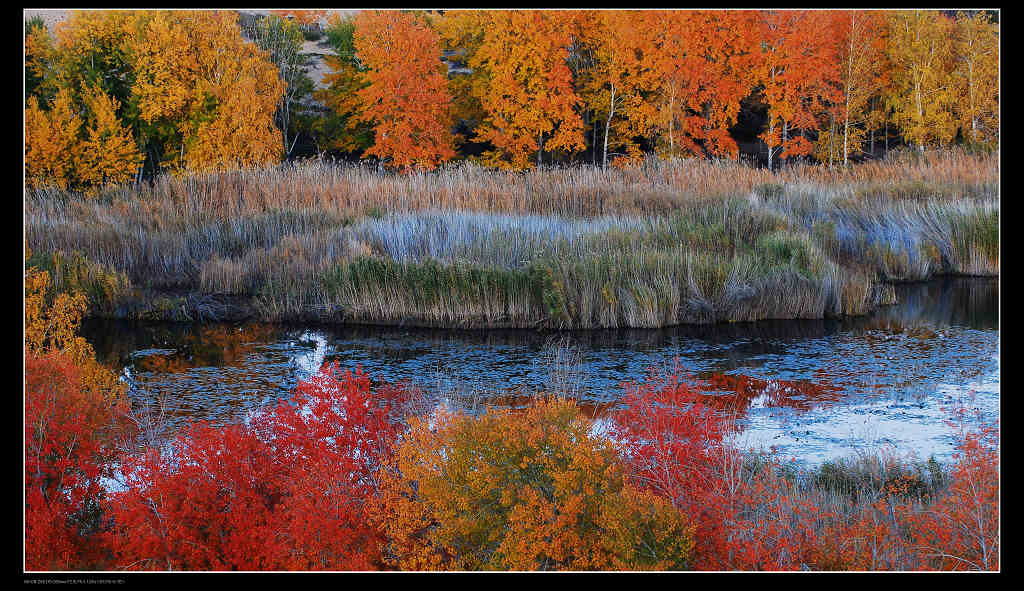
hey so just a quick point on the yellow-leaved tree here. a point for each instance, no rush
(977, 78)
(51, 137)
(922, 92)
(107, 152)
(208, 93)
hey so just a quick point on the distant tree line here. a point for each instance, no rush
(114, 96)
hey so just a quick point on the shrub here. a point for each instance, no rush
(286, 491)
(522, 490)
(68, 435)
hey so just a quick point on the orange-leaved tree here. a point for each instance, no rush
(798, 72)
(620, 83)
(525, 86)
(407, 95)
(704, 61)
(531, 489)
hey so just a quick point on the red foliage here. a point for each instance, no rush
(284, 492)
(961, 530)
(674, 443)
(66, 455)
(747, 516)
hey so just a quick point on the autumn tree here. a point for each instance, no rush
(618, 84)
(704, 62)
(922, 92)
(525, 86)
(461, 32)
(976, 77)
(797, 72)
(340, 128)
(38, 50)
(859, 38)
(107, 153)
(50, 140)
(207, 94)
(185, 86)
(407, 95)
(282, 40)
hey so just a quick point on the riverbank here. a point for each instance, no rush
(681, 242)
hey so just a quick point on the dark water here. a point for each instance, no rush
(831, 388)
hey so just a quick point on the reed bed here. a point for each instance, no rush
(665, 243)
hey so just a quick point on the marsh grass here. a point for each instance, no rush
(664, 243)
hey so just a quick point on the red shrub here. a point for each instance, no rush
(66, 453)
(960, 531)
(674, 443)
(284, 492)
(748, 516)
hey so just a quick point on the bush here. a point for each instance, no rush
(522, 490)
(286, 491)
(68, 431)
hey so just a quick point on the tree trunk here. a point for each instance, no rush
(611, 111)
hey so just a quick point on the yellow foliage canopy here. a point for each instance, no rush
(194, 70)
(522, 490)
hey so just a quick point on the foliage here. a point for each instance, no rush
(340, 128)
(976, 78)
(525, 86)
(182, 89)
(211, 111)
(523, 490)
(74, 408)
(285, 491)
(282, 40)
(407, 95)
(759, 513)
(921, 94)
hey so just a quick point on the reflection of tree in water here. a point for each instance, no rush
(738, 393)
(212, 345)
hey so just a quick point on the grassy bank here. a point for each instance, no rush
(663, 244)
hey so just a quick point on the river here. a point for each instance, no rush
(832, 388)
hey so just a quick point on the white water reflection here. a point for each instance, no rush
(309, 362)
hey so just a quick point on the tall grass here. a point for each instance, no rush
(666, 243)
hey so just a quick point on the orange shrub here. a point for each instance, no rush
(521, 490)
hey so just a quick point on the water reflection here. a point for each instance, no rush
(806, 387)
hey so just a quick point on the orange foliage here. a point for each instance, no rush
(407, 96)
(529, 490)
(704, 60)
(799, 73)
(525, 86)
